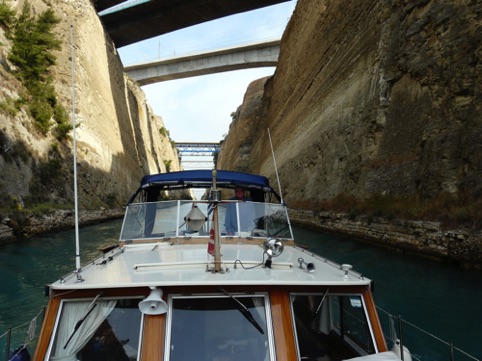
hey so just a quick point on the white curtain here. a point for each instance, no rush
(72, 312)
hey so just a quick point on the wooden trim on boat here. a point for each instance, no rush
(154, 328)
(375, 321)
(282, 325)
(152, 347)
(47, 329)
(53, 308)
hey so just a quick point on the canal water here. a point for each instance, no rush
(442, 299)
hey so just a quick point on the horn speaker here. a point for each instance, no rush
(153, 304)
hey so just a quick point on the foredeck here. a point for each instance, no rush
(217, 279)
(187, 263)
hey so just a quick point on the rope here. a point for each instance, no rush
(31, 331)
(32, 325)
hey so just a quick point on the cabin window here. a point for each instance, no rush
(329, 325)
(103, 330)
(216, 328)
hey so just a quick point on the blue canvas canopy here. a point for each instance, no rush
(203, 178)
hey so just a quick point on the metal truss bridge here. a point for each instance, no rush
(198, 149)
(197, 155)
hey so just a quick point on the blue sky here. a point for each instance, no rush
(199, 108)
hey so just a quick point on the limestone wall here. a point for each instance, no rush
(381, 97)
(118, 136)
(372, 98)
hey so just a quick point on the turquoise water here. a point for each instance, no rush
(442, 299)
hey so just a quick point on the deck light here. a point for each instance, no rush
(153, 304)
(346, 268)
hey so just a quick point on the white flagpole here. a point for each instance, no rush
(275, 167)
(217, 240)
(76, 202)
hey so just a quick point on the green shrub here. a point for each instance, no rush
(42, 113)
(33, 40)
(61, 117)
(168, 164)
(8, 106)
(452, 210)
(41, 209)
(164, 132)
(110, 199)
(7, 15)
(49, 171)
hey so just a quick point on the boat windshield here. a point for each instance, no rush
(203, 321)
(168, 219)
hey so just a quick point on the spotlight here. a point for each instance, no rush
(273, 248)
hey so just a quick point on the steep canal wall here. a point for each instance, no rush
(427, 239)
(378, 101)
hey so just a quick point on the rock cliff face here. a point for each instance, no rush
(381, 97)
(119, 139)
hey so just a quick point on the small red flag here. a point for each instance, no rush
(211, 242)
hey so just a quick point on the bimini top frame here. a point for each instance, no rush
(203, 178)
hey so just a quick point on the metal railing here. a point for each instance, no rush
(30, 334)
(397, 327)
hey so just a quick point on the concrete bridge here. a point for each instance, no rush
(144, 19)
(242, 57)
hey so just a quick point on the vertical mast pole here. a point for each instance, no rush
(275, 167)
(279, 183)
(217, 242)
(76, 202)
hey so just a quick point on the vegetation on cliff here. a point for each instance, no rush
(451, 210)
(32, 54)
(119, 139)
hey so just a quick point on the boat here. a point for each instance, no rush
(180, 285)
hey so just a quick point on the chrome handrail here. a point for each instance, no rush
(400, 320)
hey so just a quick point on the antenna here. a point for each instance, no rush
(279, 184)
(76, 211)
(275, 167)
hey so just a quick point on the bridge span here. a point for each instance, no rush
(236, 58)
(201, 155)
(140, 20)
(198, 148)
